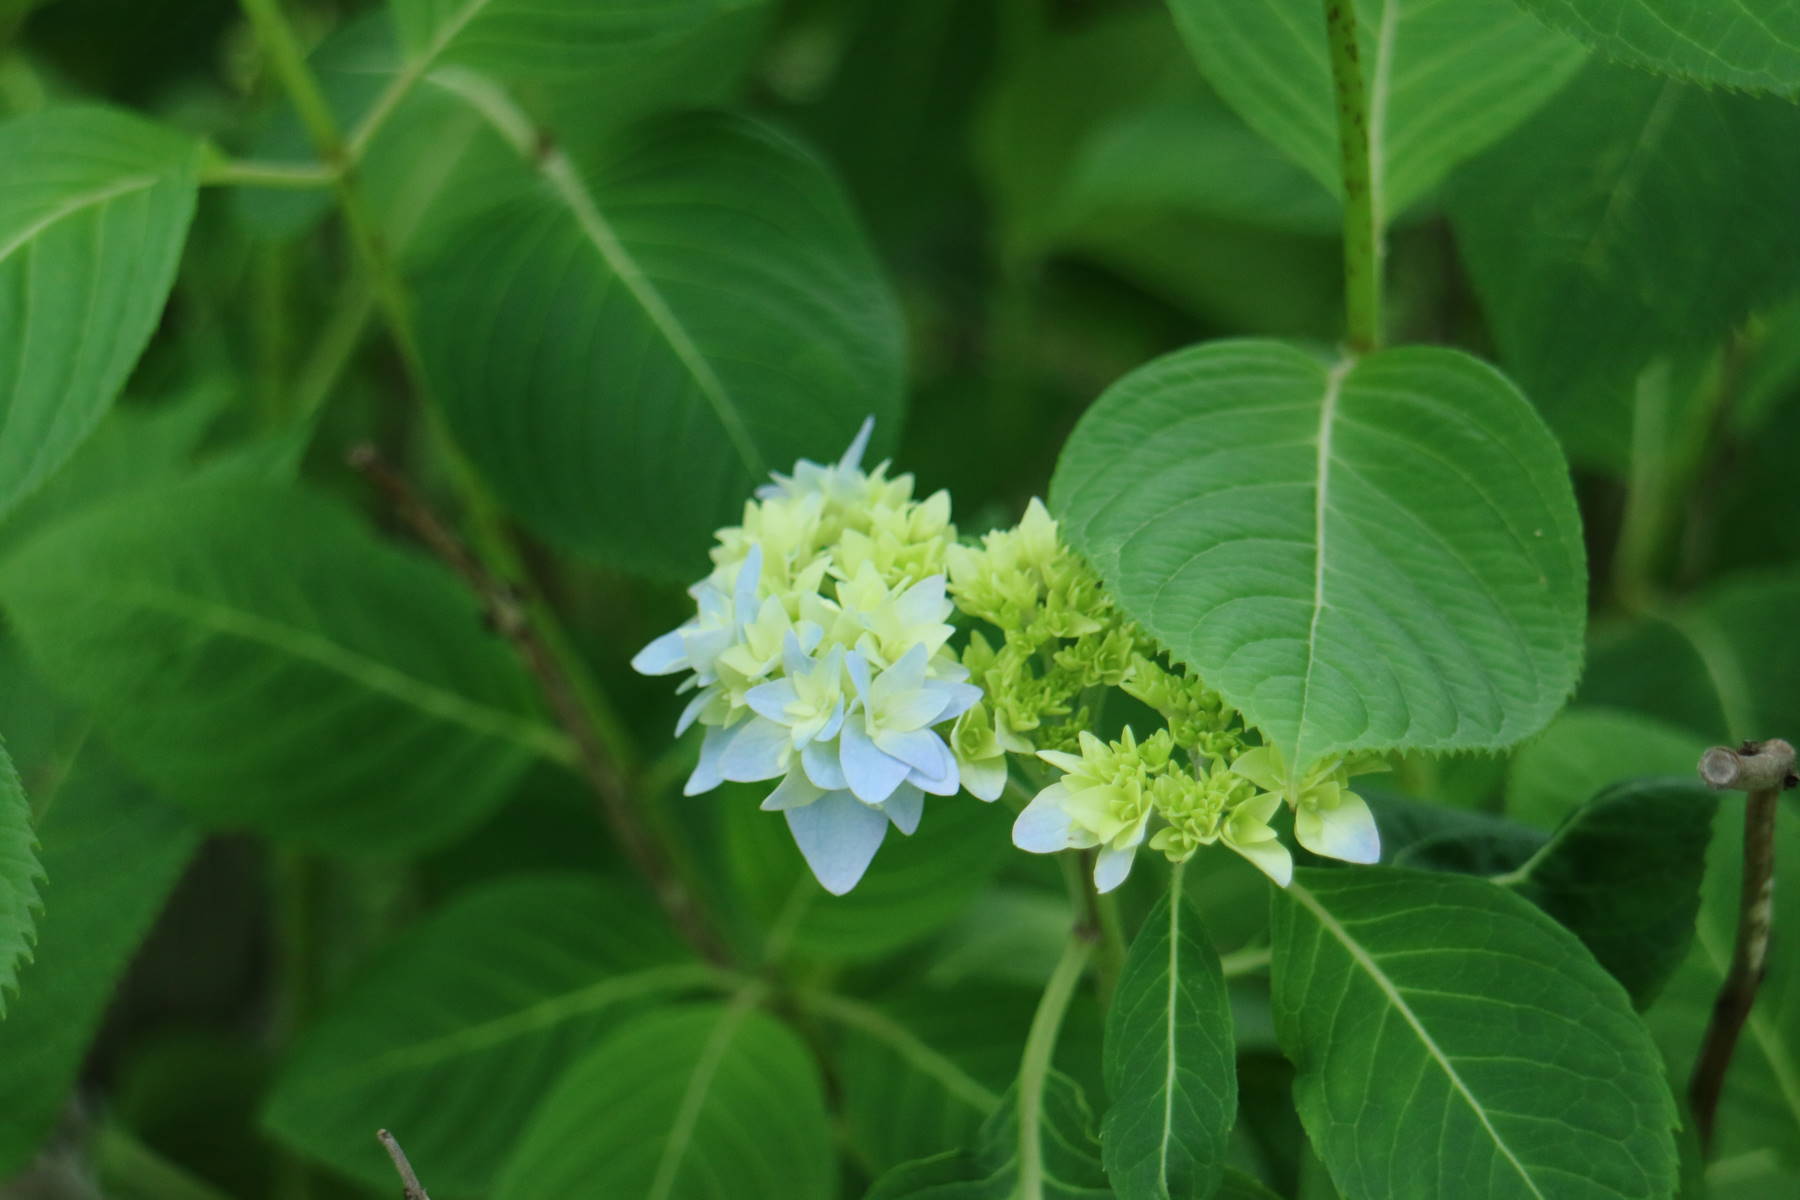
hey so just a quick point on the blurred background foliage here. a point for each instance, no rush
(1056, 195)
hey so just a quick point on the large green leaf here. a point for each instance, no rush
(1623, 874)
(467, 1022)
(1751, 44)
(1442, 78)
(915, 885)
(1380, 553)
(1759, 1110)
(718, 1102)
(1171, 1068)
(625, 350)
(20, 878)
(255, 654)
(93, 214)
(989, 1170)
(1452, 1040)
(1587, 748)
(111, 852)
(1594, 243)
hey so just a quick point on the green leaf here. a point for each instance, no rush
(1443, 80)
(990, 1169)
(111, 853)
(256, 655)
(1378, 554)
(915, 885)
(20, 879)
(479, 1010)
(1748, 44)
(1594, 245)
(1759, 1110)
(625, 350)
(1583, 751)
(1452, 1040)
(710, 1101)
(1436, 837)
(1170, 1061)
(1239, 1186)
(91, 229)
(1623, 874)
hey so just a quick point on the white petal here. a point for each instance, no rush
(820, 761)
(905, 807)
(1271, 858)
(771, 699)
(943, 782)
(859, 673)
(872, 775)
(748, 580)
(664, 656)
(794, 791)
(911, 710)
(1346, 832)
(985, 778)
(959, 698)
(838, 838)
(924, 602)
(706, 775)
(920, 749)
(852, 459)
(758, 750)
(1112, 866)
(691, 713)
(1044, 827)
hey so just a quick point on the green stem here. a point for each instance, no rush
(1362, 204)
(1098, 915)
(1040, 1049)
(288, 61)
(232, 172)
(1248, 961)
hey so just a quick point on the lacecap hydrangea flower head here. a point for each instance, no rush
(818, 658)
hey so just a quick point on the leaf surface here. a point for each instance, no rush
(1378, 554)
(709, 1102)
(1745, 44)
(94, 208)
(1451, 1039)
(468, 1022)
(21, 879)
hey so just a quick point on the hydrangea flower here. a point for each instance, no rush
(818, 657)
(1329, 818)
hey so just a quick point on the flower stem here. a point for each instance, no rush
(1040, 1048)
(1362, 205)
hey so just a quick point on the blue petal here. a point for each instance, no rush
(706, 775)
(838, 838)
(758, 750)
(795, 791)
(771, 699)
(748, 580)
(1044, 827)
(691, 713)
(665, 656)
(820, 760)
(872, 775)
(920, 749)
(959, 698)
(905, 807)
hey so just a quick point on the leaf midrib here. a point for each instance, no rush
(693, 1096)
(77, 204)
(1373, 969)
(1334, 387)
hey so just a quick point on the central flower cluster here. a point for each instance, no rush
(818, 657)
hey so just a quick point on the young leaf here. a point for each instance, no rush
(479, 1010)
(625, 351)
(111, 852)
(20, 879)
(1453, 1040)
(990, 1169)
(1759, 1111)
(1753, 45)
(92, 220)
(1623, 874)
(1171, 1069)
(255, 654)
(1595, 245)
(1382, 553)
(1444, 79)
(719, 1100)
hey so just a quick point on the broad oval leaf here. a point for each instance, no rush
(1383, 553)
(1452, 1040)
(256, 655)
(710, 1102)
(20, 877)
(624, 351)
(989, 1170)
(1595, 245)
(1171, 1067)
(1442, 78)
(1747, 44)
(1623, 874)
(478, 1011)
(93, 215)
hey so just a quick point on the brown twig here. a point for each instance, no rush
(414, 1190)
(510, 616)
(1764, 769)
